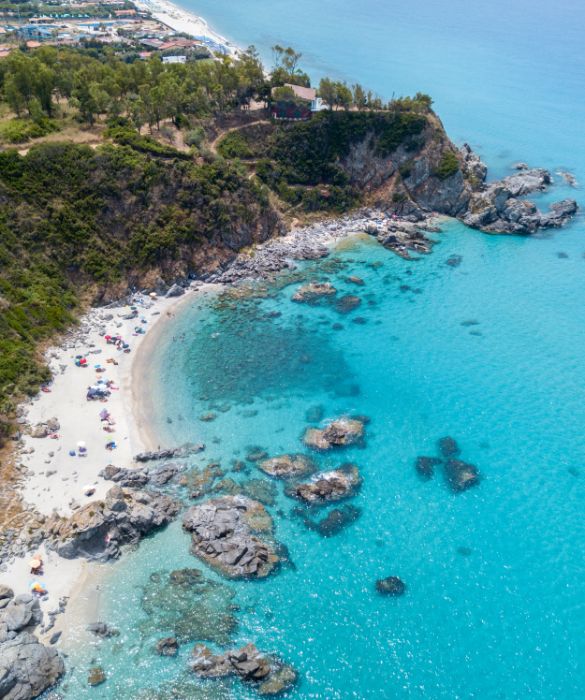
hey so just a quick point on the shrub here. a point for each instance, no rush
(448, 165)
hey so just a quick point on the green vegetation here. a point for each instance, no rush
(448, 165)
(77, 223)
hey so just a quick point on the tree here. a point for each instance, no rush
(360, 98)
(327, 92)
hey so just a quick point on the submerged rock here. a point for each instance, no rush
(333, 523)
(425, 466)
(314, 414)
(224, 534)
(248, 664)
(98, 530)
(313, 292)
(96, 676)
(461, 475)
(347, 303)
(168, 646)
(189, 607)
(329, 486)
(339, 433)
(287, 466)
(448, 447)
(391, 585)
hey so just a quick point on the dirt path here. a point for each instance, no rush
(217, 139)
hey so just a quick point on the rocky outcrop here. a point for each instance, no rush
(329, 486)
(137, 478)
(497, 207)
(168, 646)
(42, 430)
(27, 667)
(225, 534)
(341, 432)
(98, 530)
(333, 523)
(391, 585)
(313, 292)
(173, 453)
(102, 630)
(459, 475)
(270, 675)
(288, 466)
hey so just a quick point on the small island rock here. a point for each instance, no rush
(391, 585)
(339, 433)
(329, 486)
(287, 466)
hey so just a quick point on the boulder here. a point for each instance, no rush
(391, 585)
(27, 667)
(168, 646)
(347, 303)
(42, 430)
(175, 291)
(98, 530)
(339, 433)
(132, 478)
(333, 523)
(287, 466)
(102, 630)
(425, 466)
(224, 533)
(329, 486)
(313, 292)
(448, 447)
(461, 475)
(181, 452)
(96, 676)
(22, 611)
(248, 664)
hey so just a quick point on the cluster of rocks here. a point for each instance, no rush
(99, 529)
(498, 208)
(46, 428)
(269, 674)
(459, 475)
(225, 534)
(403, 236)
(27, 667)
(313, 292)
(328, 486)
(181, 452)
(137, 478)
(341, 432)
(288, 466)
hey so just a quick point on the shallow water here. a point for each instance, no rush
(494, 605)
(489, 352)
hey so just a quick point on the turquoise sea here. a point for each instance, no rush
(489, 352)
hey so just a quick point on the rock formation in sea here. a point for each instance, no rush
(329, 486)
(99, 529)
(313, 292)
(270, 675)
(340, 432)
(27, 667)
(459, 475)
(391, 585)
(233, 534)
(288, 466)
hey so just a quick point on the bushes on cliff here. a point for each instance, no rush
(76, 223)
(448, 165)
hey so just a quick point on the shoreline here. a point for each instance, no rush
(74, 585)
(180, 19)
(67, 579)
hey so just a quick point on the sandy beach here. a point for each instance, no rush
(183, 21)
(62, 477)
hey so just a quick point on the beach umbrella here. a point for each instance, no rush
(104, 414)
(153, 295)
(35, 563)
(81, 445)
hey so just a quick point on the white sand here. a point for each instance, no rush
(183, 21)
(79, 419)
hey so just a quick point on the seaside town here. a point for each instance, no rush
(137, 29)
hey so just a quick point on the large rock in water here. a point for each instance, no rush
(461, 475)
(326, 487)
(27, 667)
(391, 585)
(287, 466)
(313, 292)
(99, 529)
(339, 433)
(270, 675)
(224, 534)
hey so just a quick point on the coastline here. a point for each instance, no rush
(181, 20)
(76, 581)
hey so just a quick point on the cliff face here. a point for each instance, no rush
(430, 174)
